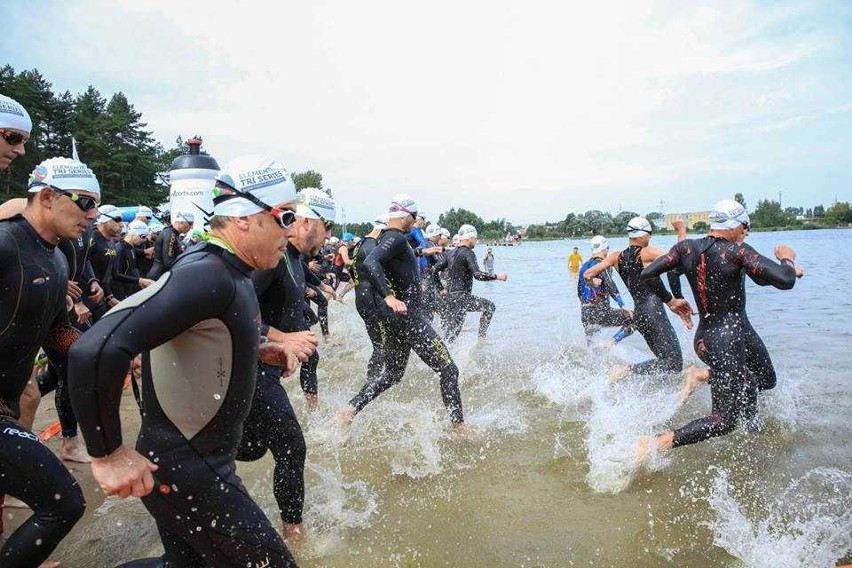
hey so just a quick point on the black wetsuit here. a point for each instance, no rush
(125, 272)
(143, 263)
(372, 309)
(463, 270)
(33, 284)
(595, 311)
(197, 328)
(272, 424)
(430, 283)
(168, 246)
(649, 315)
(102, 256)
(391, 268)
(725, 340)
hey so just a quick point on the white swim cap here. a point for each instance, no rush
(107, 213)
(313, 203)
(639, 227)
(432, 230)
(262, 178)
(65, 174)
(468, 232)
(728, 214)
(333, 240)
(155, 227)
(380, 221)
(445, 232)
(185, 217)
(599, 243)
(13, 115)
(144, 211)
(401, 206)
(455, 240)
(138, 228)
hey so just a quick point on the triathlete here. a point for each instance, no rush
(126, 278)
(371, 308)
(649, 315)
(169, 244)
(462, 271)
(594, 294)
(392, 271)
(103, 253)
(716, 266)
(198, 329)
(62, 199)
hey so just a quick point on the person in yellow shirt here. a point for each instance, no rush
(575, 259)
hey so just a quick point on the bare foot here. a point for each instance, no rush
(312, 401)
(608, 344)
(617, 373)
(326, 338)
(294, 535)
(643, 450)
(694, 376)
(50, 564)
(345, 416)
(14, 503)
(464, 431)
(73, 449)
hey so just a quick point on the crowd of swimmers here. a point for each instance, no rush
(206, 323)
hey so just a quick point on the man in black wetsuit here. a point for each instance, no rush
(126, 278)
(649, 315)
(62, 200)
(393, 273)
(103, 254)
(716, 266)
(372, 309)
(169, 244)
(272, 425)
(198, 329)
(463, 269)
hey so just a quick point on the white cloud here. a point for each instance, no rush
(513, 109)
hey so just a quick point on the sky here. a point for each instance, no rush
(522, 110)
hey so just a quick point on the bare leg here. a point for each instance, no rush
(345, 416)
(294, 535)
(73, 449)
(617, 373)
(663, 442)
(694, 376)
(29, 401)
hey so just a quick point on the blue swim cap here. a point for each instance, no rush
(348, 237)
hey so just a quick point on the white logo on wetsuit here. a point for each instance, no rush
(21, 434)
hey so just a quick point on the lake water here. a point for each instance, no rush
(548, 482)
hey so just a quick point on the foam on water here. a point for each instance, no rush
(809, 523)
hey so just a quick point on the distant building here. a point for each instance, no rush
(689, 218)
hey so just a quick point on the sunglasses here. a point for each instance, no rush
(14, 138)
(84, 202)
(399, 207)
(632, 228)
(284, 217)
(326, 223)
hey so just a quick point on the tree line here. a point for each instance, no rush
(113, 140)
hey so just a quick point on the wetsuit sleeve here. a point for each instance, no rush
(608, 283)
(310, 277)
(473, 268)
(383, 252)
(764, 271)
(123, 259)
(89, 273)
(674, 283)
(100, 359)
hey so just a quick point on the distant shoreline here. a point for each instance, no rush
(662, 233)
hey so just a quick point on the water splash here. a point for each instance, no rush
(808, 524)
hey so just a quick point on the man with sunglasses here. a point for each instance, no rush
(649, 315)
(169, 244)
(103, 254)
(63, 194)
(739, 364)
(198, 329)
(393, 273)
(272, 424)
(15, 127)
